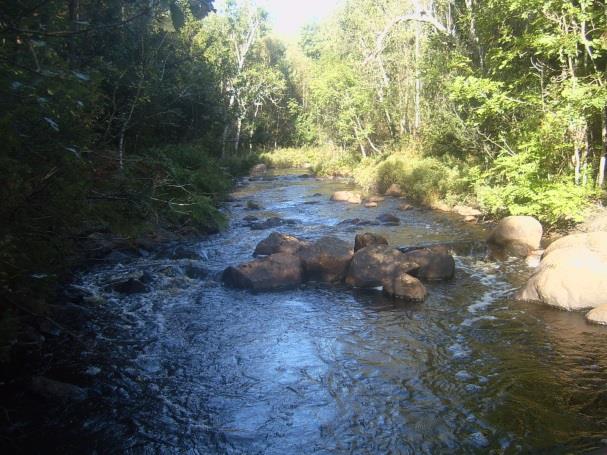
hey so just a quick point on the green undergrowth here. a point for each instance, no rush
(510, 185)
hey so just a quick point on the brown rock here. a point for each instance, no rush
(371, 205)
(394, 190)
(279, 271)
(327, 259)
(279, 243)
(376, 199)
(405, 207)
(368, 239)
(373, 264)
(433, 264)
(518, 235)
(351, 197)
(405, 287)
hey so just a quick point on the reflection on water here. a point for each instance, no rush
(193, 367)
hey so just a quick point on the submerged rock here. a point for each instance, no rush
(275, 272)
(368, 239)
(130, 286)
(272, 222)
(327, 259)
(389, 219)
(517, 235)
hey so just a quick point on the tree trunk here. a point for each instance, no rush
(418, 80)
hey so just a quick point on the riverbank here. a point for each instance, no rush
(94, 212)
(446, 183)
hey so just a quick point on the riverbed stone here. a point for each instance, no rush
(404, 207)
(279, 243)
(394, 190)
(433, 263)
(375, 199)
(372, 264)
(327, 259)
(572, 274)
(371, 205)
(368, 239)
(270, 223)
(351, 197)
(517, 235)
(405, 287)
(275, 272)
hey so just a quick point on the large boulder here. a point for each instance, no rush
(404, 286)
(518, 235)
(351, 197)
(371, 265)
(278, 271)
(368, 239)
(572, 274)
(433, 263)
(279, 243)
(327, 259)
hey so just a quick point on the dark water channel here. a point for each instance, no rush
(194, 367)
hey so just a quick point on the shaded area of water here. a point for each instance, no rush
(194, 367)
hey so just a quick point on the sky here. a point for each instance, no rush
(288, 16)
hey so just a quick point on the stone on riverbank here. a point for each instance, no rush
(351, 197)
(394, 190)
(275, 272)
(572, 274)
(598, 315)
(258, 170)
(388, 219)
(517, 235)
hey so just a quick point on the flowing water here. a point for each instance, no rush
(194, 367)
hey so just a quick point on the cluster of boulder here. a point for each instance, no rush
(571, 274)
(285, 262)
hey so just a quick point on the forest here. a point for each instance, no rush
(123, 117)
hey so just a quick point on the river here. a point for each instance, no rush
(194, 367)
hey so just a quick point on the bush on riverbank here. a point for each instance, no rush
(513, 185)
